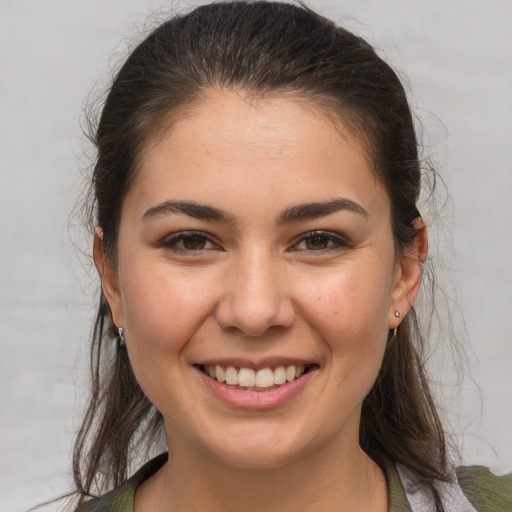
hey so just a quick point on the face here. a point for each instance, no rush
(256, 281)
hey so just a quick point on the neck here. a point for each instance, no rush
(347, 481)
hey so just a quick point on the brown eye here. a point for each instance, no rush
(320, 241)
(190, 242)
(316, 243)
(194, 242)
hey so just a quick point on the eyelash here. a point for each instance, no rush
(333, 242)
(336, 242)
(172, 243)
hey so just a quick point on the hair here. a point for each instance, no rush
(257, 49)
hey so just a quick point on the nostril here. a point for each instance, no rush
(254, 317)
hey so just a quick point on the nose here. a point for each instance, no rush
(256, 297)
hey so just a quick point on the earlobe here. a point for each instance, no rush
(108, 276)
(409, 273)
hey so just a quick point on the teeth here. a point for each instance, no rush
(231, 376)
(248, 378)
(290, 373)
(220, 375)
(264, 378)
(280, 375)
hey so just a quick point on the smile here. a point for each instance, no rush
(249, 379)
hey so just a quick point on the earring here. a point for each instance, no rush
(121, 342)
(397, 316)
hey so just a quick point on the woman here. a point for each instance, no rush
(260, 251)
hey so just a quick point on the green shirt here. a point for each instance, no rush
(476, 490)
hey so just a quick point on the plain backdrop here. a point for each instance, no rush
(457, 56)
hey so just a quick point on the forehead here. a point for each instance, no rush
(228, 140)
(269, 114)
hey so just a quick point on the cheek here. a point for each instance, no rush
(163, 311)
(163, 308)
(349, 309)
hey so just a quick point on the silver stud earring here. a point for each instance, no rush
(121, 342)
(397, 316)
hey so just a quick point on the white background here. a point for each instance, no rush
(457, 55)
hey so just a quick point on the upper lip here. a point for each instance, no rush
(256, 364)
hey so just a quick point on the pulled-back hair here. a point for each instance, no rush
(257, 49)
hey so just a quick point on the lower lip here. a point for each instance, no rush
(256, 400)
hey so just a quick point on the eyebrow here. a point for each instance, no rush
(190, 208)
(295, 213)
(309, 211)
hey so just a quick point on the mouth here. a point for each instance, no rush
(248, 379)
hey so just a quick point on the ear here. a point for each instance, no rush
(109, 280)
(408, 275)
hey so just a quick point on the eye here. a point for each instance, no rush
(318, 241)
(190, 241)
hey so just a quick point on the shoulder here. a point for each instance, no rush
(484, 490)
(472, 489)
(118, 500)
(121, 499)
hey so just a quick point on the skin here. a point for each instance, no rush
(256, 285)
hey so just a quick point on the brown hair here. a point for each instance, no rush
(259, 48)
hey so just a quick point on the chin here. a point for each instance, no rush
(261, 447)
(259, 457)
